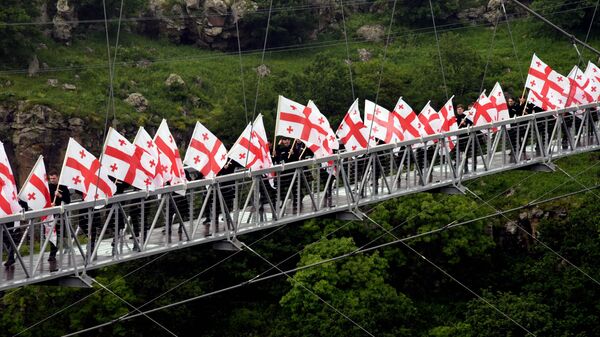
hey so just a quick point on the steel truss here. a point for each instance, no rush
(139, 224)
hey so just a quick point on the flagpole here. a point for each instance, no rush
(30, 174)
(276, 125)
(292, 148)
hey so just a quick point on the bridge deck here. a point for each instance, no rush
(170, 221)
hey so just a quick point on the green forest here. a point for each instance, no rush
(531, 271)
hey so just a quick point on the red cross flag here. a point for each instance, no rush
(430, 121)
(584, 90)
(485, 111)
(409, 123)
(449, 122)
(170, 160)
(499, 101)
(151, 162)
(9, 203)
(82, 172)
(352, 132)
(259, 135)
(295, 120)
(592, 71)
(36, 194)
(123, 161)
(549, 84)
(537, 100)
(382, 123)
(206, 153)
(325, 142)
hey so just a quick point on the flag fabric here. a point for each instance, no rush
(499, 101)
(551, 86)
(382, 123)
(9, 202)
(329, 141)
(449, 123)
(36, 194)
(484, 110)
(430, 121)
(151, 162)
(409, 123)
(123, 161)
(82, 172)
(592, 71)
(584, 90)
(352, 132)
(172, 166)
(295, 120)
(205, 153)
(251, 150)
(536, 99)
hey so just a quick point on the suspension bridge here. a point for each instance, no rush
(220, 211)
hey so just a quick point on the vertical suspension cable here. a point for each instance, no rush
(489, 56)
(514, 46)
(591, 22)
(437, 40)
(387, 43)
(348, 60)
(114, 62)
(237, 29)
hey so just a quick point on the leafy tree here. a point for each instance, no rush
(16, 41)
(355, 286)
(571, 15)
(94, 9)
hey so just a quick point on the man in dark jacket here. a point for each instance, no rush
(59, 194)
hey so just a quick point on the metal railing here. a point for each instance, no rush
(138, 224)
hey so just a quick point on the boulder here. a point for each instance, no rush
(52, 82)
(64, 21)
(34, 66)
(263, 71)
(364, 55)
(138, 101)
(174, 80)
(69, 87)
(374, 33)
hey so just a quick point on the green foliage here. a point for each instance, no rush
(16, 41)
(569, 15)
(354, 286)
(94, 9)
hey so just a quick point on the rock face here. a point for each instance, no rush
(30, 130)
(138, 101)
(64, 21)
(373, 33)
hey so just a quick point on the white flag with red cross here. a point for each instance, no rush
(36, 194)
(82, 172)
(549, 84)
(295, 120)
(170, 160)
(537, 100)
(151, 162)
(407, 118)
(449, 122)
(382, 123)
(259, 137)
(430, 121)
(9, 202)
(581, 88)
(499, 101)
(327, 142)
(592, 71)
(352, 132)
(484, 109)
(206, 153)
(124, 161)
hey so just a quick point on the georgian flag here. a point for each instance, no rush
(449, 122)
(551, 86)
(499, 101)
(326, 143)
(295, 120)
(123, 161)
(82, 172)
(592, 71)
(581, 88)
(151, 162)
(36, 194)
(430, 121)
(9, 202)
(259, 134)
(485, 111)
(170, 160)
(352, 132)
(409, 123)
(382, 123)
(206, 153)
(535, 99)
